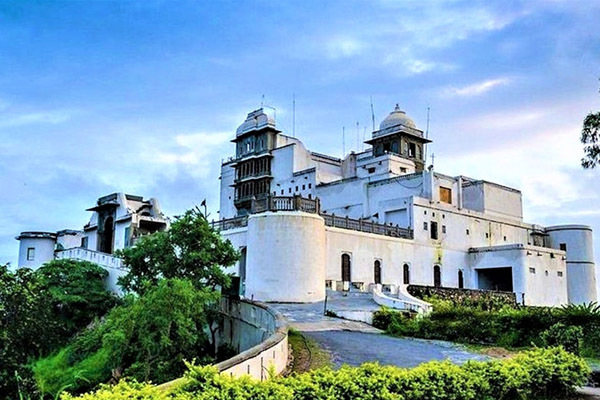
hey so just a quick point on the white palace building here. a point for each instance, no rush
(375, 221)
(306, 222)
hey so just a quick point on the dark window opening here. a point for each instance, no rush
(346, 268)
(377, 272)
(563, 246)
(424, 226)
(30, 253)
(443, 228)
(495, 279)
(406, 274)
(461, 280)
(371, 170)
(437, 276)
(468, 233)
(412, 150)
(434, 230)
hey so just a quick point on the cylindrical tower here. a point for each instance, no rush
(36, 248)
(581, 271)
(285, 257)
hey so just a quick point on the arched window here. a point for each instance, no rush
(377, 271)
(406, 274)
(461, 280)
(437, 276)
(346, 268)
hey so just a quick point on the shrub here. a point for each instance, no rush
(536, 373)
(569, 337)
(147, 339)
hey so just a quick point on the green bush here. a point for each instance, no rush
(570, 337)
(507, 327)
(147, 338)
(532, 374)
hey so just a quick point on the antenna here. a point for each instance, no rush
(427, 135)
(262, 101)
(372, 114)
(294, 115)
(364, 135)
(343, 142)
(357, 140)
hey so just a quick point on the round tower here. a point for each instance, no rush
(36, 248)
(577, 241)
(286, 257)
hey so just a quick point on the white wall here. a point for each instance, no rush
(44, 251)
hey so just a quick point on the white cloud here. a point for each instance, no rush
(476, 89)
(42, 117)
(343, 47)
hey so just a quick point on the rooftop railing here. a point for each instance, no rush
(313, 206)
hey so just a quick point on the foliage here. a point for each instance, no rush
(77, 292)
(507, 327)
(590, 137)
(485, 300)
(540, 372)
(190, 249)
(41, 310)
(147, 338)
(569, 337)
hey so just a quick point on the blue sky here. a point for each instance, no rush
(144, 96)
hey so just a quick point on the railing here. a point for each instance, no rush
(299, 203)
(97, 257)
(230, 223)
(367, 226)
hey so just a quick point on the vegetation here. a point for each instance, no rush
(590, 137)
(41, 310)
(190, 249)
(576, 327)
(536, 373)
(308, 355)
(148, 338)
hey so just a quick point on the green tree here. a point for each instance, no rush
(77, 292)
(190, 249)
(146, 338)
(590, 137)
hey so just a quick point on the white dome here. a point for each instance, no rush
(397, 117)
(256, 119)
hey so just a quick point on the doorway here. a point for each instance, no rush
(346, 268)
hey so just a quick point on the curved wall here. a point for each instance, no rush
(581, 270)
(44, 246)
(286, 257)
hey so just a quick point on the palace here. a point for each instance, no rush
(306, 222)
(374, 221)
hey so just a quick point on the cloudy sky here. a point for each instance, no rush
(144, 96)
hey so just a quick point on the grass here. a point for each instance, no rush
(308, 355)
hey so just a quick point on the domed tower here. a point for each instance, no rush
(399, 135)
(577, 241)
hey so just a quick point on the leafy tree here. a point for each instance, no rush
(147, 338)
(190, 249)
(590, 137)
(77, 292)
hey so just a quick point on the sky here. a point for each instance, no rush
(143, 97)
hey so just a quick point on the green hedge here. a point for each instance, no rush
(508, 327)
(532, 374)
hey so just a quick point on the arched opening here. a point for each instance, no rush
(437, 276)
(461, 280)
(346, 268)
(406, 274)
(377, 272)
(106, 240)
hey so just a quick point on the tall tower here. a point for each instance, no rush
(254, 140)
(399, 135)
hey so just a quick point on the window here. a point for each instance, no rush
(468, 233)
(546, 272)
(346, 268)
(377, 272)
(282, 192)
(437, 276)
(289, 190)
(402, 170)
(127, 236)
(445, 195)
(303, 187)
(563, 246)
(443, 228)
(406, 274)
(371, 170)
(412, 150)
(434, 230)
(424, 226)
(84, 242)
(505, 238)
(310, 185)
(532, 270)
(461, 280)
(296, 188)
(310, 196)
(487, 235)
(30, 253)
(559, 273)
